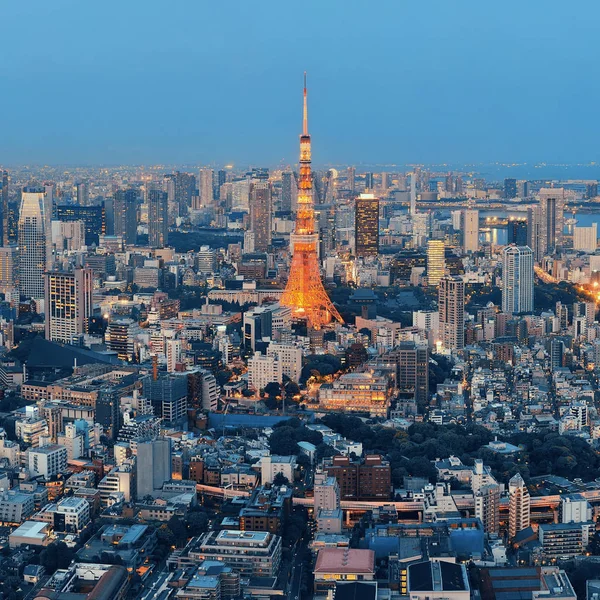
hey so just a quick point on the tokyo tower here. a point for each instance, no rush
(304, 292)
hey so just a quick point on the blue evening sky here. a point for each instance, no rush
(390, 81)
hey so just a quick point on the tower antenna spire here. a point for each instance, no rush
(305, 119)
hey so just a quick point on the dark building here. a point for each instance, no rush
(267, 510)
(107, 411)
(402, 265)
(261, 213)
(185, 188)
(367, 480)
(356, 355)
(287, 187)
(412, 370)
(591, 190)
(366, 225)
(510, 188)
(102, 265)
(517, 233)
(93, 217)
(125, 210)
(168, 394)
(4, 210)
(369, 184)
(158, 219)
(367, 300)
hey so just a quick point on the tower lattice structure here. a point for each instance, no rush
(304, 292)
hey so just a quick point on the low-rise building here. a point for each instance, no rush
(342, 564)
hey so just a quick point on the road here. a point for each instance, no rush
(297, 569)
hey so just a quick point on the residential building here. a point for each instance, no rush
(261, 214)
(68, 304)
(369, 479)
(451, 306)
(250, 553)
(470, 230)
(290, 357)
(158, 219)
(271, 466)
(517, 280)
(263, 370)
(519, 508)
(47, 461)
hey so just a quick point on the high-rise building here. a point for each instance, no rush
(487, 507)
(366, 223)
(35, 241)
(412, 370)
(83, 193)
(4, 206)
(552, 219)
(206, 187)
(125, 208)
(350, 179)
(153, 466)
(522, 188)
(185, 187)
(510, 188)
(451, 305)
(585, 238)
(413, 194)
(436, 261)
(369, 182)
(94, 218)
(261, 214)
(120, 337)
(9, 260)
(158, 219)
(288, 191)
(519, 509)
(470, 230)
(517, 280)
(304, 292)
(591, 190)
(68, 304)
(517, 232)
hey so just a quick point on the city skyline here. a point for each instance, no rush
(417, 93)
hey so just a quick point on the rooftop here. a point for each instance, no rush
(230, 535)
(345, 560)
(31, 529)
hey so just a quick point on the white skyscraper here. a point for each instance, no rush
(470, 230)
(585, 238)
(517, 280)
(35, 242)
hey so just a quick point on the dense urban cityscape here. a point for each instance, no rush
(368, 370)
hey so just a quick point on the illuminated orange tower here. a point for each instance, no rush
(304, 292)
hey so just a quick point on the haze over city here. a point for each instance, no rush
(214, 82)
